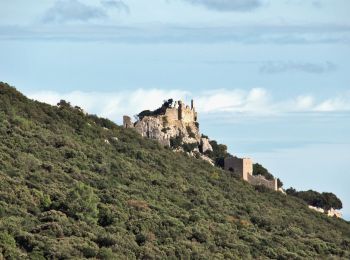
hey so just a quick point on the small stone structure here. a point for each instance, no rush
(243, 167)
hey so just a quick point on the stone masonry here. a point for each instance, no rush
(243, 167)
(177, 120)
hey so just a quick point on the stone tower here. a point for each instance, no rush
(240, 166)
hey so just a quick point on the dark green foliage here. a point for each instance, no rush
(176, 141)
(159, 111)
(66, 194)
(205, 136)
(325, 200)
(188, 147)
(218, 154)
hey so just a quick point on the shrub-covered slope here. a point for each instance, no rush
(77, 186)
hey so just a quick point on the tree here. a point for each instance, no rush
(218, 154)
(258, 169)
(63, 104)
(325, 200)
(331, 201)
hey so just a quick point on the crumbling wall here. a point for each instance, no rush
(235, 165)
(240, 166)
(127, 123)
(172, 114)
(243, 167)
(261, 180)
(188, 115)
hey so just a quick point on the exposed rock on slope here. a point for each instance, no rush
(174, 124)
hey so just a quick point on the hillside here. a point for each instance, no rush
(78, 186)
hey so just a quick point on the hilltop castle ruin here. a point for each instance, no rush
(175, 125)
(171, 122)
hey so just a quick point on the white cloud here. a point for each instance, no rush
(171, 33)
(228, 5)
(255, 102)
(304, 102)
(112, 105)
(334, 104)
(273, 67)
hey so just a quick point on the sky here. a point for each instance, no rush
(269, 78)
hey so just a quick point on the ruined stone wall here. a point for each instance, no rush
(178, 120)
(261, 180)
(235, 165)
(172, 114)
(188, 115)
(247, 168)
(243, 167)
(127, 123)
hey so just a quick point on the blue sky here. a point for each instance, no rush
(269, 77)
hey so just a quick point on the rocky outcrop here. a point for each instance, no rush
(334, 213)
(331, 213)
(205, 145)
(174, 125)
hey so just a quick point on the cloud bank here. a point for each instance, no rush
(227, 5)
(120, 5)
(244, 34)
(72, 10)
(255, 102)
(293, 66)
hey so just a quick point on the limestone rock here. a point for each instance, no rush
(206, 146)
(334, 213)
(171, 123)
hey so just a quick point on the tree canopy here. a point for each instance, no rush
(325, 200)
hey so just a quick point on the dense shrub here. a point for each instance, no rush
(325, 200)
(67, 194)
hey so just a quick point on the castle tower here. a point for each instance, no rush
(243, 167)
(180, 110)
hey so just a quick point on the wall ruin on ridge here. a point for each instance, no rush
(243, 167)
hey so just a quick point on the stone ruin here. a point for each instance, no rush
(178, 120)
(243, 167)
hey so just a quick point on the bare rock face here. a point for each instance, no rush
(173, 124)
(151, 127)
(175, 120)
(206, 158)
(332, 212)
(206, 146)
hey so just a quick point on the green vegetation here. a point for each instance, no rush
(159, 111)
(66, 193)
(218, 154)
(325, 200)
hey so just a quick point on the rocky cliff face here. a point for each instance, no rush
(174, 125)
